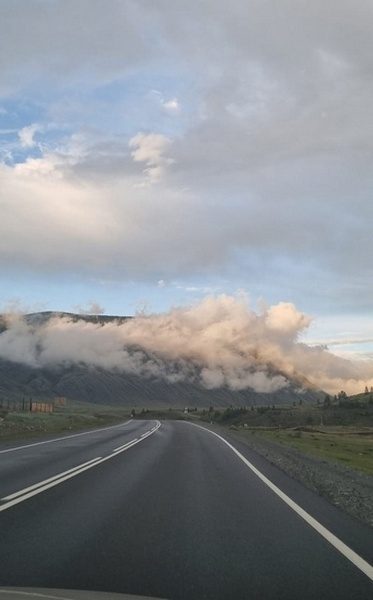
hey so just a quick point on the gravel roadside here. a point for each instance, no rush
(349, 489)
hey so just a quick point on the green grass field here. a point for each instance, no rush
(344, 445)
(340, 432)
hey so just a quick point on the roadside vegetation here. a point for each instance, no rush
(76, 417)
(352, 447)
(337, 429)
(340, 429)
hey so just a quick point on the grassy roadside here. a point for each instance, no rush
(78, 417)
(345, 445)
(339, 431)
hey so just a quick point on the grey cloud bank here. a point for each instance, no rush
(219, 342)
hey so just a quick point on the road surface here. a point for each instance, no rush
(173, 511)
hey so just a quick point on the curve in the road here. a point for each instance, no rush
(352, 556)
(42, 486)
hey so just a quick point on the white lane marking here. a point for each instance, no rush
(36, 485)
(352, 556)
(42, 486)
(142, 437)
(65, 437)
(125, 445)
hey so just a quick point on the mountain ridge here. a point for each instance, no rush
(80, 381)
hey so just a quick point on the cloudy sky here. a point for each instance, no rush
(154, 153)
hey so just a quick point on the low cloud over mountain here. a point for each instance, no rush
(218, 344)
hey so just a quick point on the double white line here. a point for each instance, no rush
(42, 486)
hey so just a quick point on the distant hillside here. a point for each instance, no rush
(40, 318)
(105, 387)
(79, 381)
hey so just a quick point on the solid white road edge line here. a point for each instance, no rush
(66, 437)
(23, 495)
(352, 556)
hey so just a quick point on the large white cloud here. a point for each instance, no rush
(220, 341)
(262, 163)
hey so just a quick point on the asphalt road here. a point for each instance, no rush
(172, 511)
